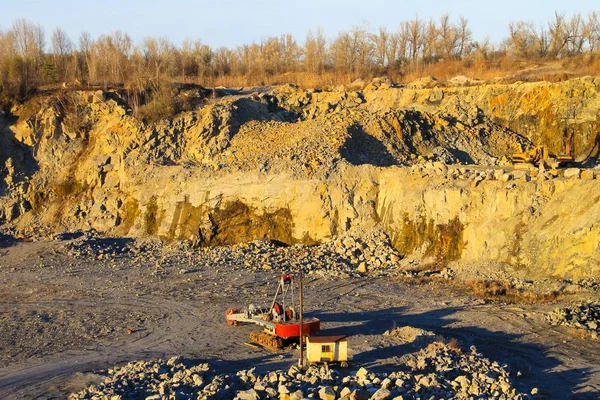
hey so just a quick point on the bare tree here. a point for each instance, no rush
(448, 37)
(62, 49)
(342, 52)
(290, 52)
(521, 40)
(203, 57)
(110, 55)
(9, 76)
(465, 37)
(431, 51)
(85, 49)
(394, 51)
(362, 51)
(114, 59)
(381, 42)
(223, 59)
(403, 42)
(157, 53)
(315, 51)
(592, 32)
(575, 34)
(187, 66)
(541, 41)
(559, 36)
(414, 32)
(29, 42)
(483, 49)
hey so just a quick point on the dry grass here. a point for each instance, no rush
(578, 333)
(302, 79)
(506, 67)
(452, 343)
(503, 291)
(511, 70)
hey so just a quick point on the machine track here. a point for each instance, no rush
(266, 340)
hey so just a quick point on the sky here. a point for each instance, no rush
(234, 22)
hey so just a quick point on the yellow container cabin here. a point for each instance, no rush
(327, 349)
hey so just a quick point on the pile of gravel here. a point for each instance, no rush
(583, 316)
(437, 371)
(346, 256)
(351, 255)
(356, 254)
(409, 334)
(98, 247)
(443, 371)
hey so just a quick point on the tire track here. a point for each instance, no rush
(15, 378)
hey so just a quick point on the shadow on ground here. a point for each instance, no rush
(7, 241)
(537, 367)
(362, 148)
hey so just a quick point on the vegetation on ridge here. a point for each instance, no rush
(418, 47)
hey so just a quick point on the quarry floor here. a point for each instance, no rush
(63, 320)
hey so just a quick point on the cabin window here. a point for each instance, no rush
(326, 348)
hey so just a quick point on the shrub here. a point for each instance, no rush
(162, 105)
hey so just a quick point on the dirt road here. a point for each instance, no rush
(64, 319)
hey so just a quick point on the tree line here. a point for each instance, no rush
(29, 58)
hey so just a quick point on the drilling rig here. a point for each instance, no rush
(281, 325)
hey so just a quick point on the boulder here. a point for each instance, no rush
(297, 395)
(248, 395)
(361, 373)
(571, 173)
(506, 177)
(587, 174)
(327, 393)
(381, 394)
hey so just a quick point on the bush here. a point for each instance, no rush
(503, 291)
(162, 105)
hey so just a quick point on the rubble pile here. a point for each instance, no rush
(501, 172)
(97, 247)
(344, 256)
(370, 253)
(584, 316)
(409, 334)
(436, 371)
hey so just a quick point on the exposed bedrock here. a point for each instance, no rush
(300, 166)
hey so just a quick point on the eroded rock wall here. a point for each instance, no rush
(540, 111)
(546, 227)
(303, 166)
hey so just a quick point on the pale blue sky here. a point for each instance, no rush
(233, 22)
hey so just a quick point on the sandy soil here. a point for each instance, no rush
(64, 319)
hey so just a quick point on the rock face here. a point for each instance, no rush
(302, 166)
(493, 221)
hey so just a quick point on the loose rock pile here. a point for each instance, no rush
(507, 173)
(370, 253)
(437, 371)
(349, 255)
(583, 316)
(88, 246)
(409, 334)
(443, 371)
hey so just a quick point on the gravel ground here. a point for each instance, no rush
(71, 309)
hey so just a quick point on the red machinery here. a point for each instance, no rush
(280, 324)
